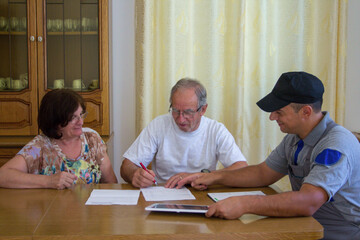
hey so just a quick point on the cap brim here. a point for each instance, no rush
(271, 103)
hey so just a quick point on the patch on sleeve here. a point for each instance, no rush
(328, 157)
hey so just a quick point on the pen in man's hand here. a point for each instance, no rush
(142, 165)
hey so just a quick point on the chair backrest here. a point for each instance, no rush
(357, 135)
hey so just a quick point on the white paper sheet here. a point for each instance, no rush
(166, 194)
(222, 195)
(113, 197)
(249, 218)
(246, 218)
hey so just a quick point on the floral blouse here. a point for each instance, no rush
(44, 156)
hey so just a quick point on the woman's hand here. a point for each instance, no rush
(62, 180)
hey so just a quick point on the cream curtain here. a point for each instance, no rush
(238, 49)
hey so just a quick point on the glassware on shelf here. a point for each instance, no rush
(14, 24)
(4, 24)
(3, 84)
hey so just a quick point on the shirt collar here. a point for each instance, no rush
(179, 131)
(314, 136)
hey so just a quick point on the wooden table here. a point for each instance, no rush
(22, 210)
(58, 214)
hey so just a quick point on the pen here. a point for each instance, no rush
(68, 170)
(142, 165)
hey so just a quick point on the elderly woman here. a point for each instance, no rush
(64, 154)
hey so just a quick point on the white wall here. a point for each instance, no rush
(122, 74)
(352, 110)
(122, 77)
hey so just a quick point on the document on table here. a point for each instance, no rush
(246, 218)
(113, 197)
(166, 194)
(222, 195)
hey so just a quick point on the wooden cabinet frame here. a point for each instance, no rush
(28, 100)
(23, 122)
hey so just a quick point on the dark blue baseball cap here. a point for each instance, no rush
(293, 87)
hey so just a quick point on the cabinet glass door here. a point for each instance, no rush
(72, 44)
(14, 46)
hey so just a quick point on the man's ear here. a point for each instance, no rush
(203, 109)
(306, 111)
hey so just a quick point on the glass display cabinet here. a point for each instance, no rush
(72, 45)
(49, 44)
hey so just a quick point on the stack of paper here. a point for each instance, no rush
(113, 197)
(222, 195)
(246, 218)
(166, 194)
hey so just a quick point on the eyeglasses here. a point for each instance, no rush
(186, 113)
(75, 119)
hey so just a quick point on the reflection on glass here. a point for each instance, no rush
(13, 42)
(72, 44)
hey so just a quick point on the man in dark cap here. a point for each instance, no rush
(321, 158)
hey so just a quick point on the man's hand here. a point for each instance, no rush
(142, 178)
(174, 180)
(62, 180)
(229, 208)
(199, 181)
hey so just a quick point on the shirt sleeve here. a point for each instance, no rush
(228, 152)
(96, 146)
(277, 159)
(329, 171)
(40, 156)
(32, 154)
(331, 166)
(144, 147)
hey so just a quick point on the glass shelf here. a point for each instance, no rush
(13, 33)
(71, 33)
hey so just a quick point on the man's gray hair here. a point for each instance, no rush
(200, 90)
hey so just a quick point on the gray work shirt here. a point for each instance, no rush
(330, 159)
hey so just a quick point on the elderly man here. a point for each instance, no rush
(182, 142)
(321, 158)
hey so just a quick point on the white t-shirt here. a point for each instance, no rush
(175, 151)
